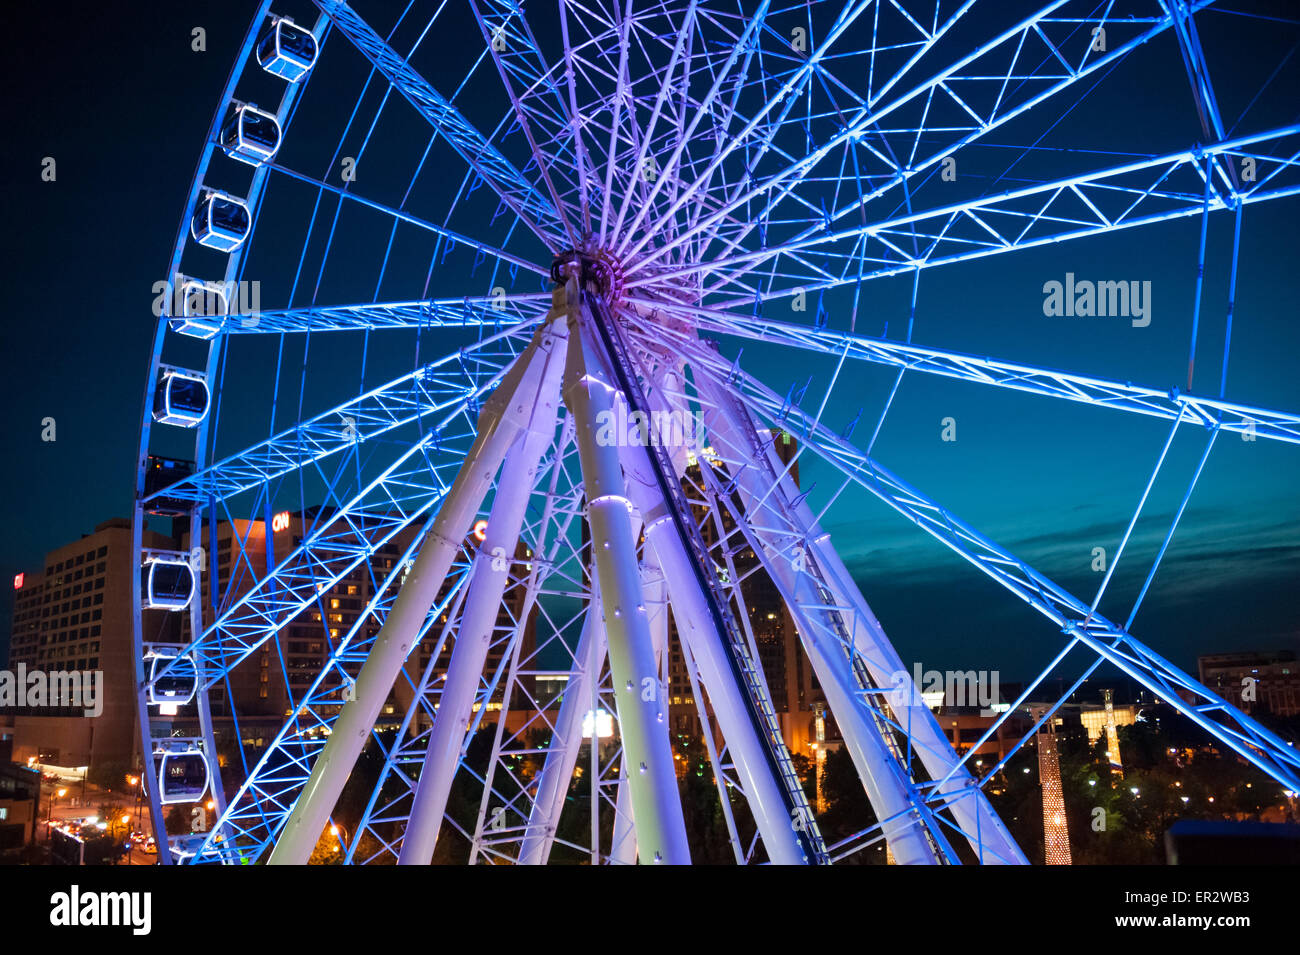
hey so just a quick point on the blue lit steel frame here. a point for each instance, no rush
(712, 161)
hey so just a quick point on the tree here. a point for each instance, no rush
(329, 849)
(848, 810)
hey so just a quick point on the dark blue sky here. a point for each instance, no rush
(122, 103)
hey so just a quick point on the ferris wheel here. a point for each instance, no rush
(453, 334)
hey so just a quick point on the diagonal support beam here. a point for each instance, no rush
(487, 585)
(1103, 392)
(1244, 735)
(505, 414)
(784, 525)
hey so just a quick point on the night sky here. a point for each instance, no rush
(121, 102)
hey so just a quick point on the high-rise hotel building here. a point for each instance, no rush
(75, 614)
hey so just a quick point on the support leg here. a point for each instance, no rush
(487, 585)
(503, 416)
(985, 831)
(642, 713)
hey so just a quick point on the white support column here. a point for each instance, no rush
(642, 712)
(987, 834)
(489, 575)
(692, 612)
(503, 416)
(654, 595)
(695, 629)
(562, 752)
(876, 766)
(985, 830)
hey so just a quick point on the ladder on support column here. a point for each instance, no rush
(743, 666)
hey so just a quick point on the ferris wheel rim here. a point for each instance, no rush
(560, 203)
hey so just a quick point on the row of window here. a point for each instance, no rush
(77, 561)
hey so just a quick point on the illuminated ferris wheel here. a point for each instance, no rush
(448, 408)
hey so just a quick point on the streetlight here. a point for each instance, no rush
(49, 811)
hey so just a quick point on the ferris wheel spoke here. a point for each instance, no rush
(540, 109)
(1074, 617)
(449, 237)
(665, 80)
(1169, 403)
(443, 386)
(786, 96)
(509, 184)
(515, 309)
(617, 98)
(668, 173)
(586, 174)
(1020, 89)
(635, 171)
(1145, 192)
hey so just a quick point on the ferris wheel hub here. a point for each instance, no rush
(597, 268)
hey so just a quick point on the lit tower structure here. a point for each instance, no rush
(1056, 832)
(1112, 734)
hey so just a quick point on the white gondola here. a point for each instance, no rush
(250, 135)
(221, 222)
(181, 398)
(180, 681)
(287, 50)
(182, 772)
(166, 583)
(200, 308)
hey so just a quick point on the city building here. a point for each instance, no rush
(20, 806)
(1253, 681)
(76, 615)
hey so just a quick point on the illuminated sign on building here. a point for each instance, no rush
(280, 522)
(18, 581)
(480, 530)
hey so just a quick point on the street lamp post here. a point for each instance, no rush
(49, 811)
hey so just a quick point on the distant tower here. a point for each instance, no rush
(1056, 834)
(1112, 735)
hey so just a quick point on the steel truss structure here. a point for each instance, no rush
(659, 173)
